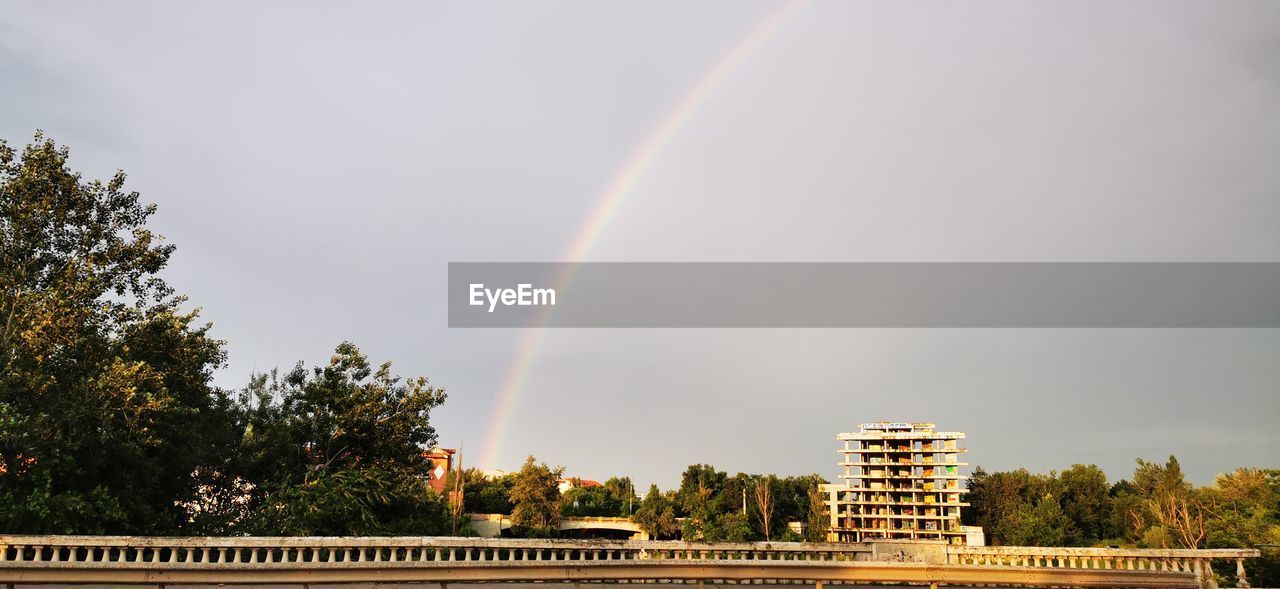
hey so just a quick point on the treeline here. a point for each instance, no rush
(710, 505)
(1158, 508)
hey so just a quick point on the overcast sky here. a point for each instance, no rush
(317, 167)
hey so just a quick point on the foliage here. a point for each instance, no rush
(535, 500)
(106, 407)
(818, 519)
(719, 507)
(1036, 523)
(356, 502)
(656, 515)
(1085, 501)
(482, 494)
(1245, 511)
(607, 500)
(1157, 509)
(623, 492)
(1172, 511)
(344, 436)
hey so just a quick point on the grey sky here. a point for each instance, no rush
(317, 166)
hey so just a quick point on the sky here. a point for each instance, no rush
(319, 164)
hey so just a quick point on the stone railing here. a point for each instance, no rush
(283, 550)
(157, 561)
(1196, 562)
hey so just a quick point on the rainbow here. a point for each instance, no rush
(619, 188)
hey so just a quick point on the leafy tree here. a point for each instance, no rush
(106, 407)
(482, 494)
(624, 493)
(1172, 512)
(1021, 508)
(339, 450)
(995, 497)
(535, 499)
(1086, 501)
(700, 499)
(1245, 513)
(357, 502)
(734, 526)
(1125, 501)
(580, 501)
(656, 515)
(1041, 523)
(818, 520)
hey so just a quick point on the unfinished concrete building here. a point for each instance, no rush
(901, 481)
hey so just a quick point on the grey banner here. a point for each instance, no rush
(824, 294)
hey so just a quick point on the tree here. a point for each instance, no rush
(700, 499)
(535, 499)
(1041, 523)
(995, 497)
(624, 492)
(1125, 501)
(819, 520)
(1086, 502)
(339, 450)
(1246, 513)
(582, 501)
(763, 493)
(792, 503)
(656, 515)
(106, 406)
(1176, 512)
(1021, 508)
(488, 495)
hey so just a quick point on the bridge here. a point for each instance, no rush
(158, 561)
(491, 525)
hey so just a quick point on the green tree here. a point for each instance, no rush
(818, 518)
(995, 497)
(106, 407)
(1173, 512)
(1041, 523)
(700, 499)
(482, 494)
(535, 500)
(1086, 501)
(339, 450)
(581, 501)
(1021, 508)
(1125, 502)
(734, 526)
(624, 493)
(656, 515)
(1246, 513)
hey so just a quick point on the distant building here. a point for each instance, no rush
(901, 481)
(573, 483)
(441, 462)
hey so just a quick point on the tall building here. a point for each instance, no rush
(901, 481)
